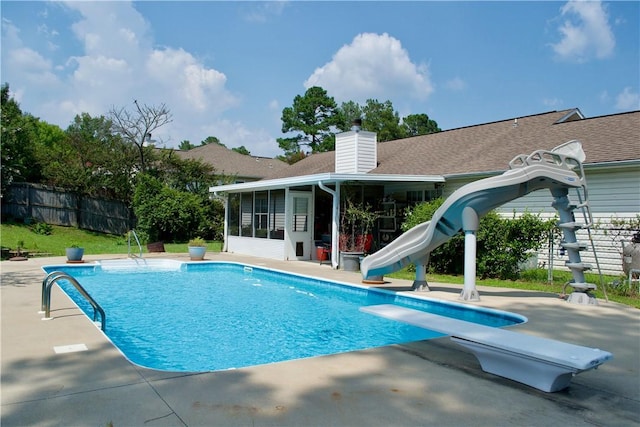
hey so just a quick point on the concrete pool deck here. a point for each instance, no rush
(423, 383)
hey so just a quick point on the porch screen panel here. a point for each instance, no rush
(261, 216)
(234, 214)
(300, 213)
(276, 214)
(246, 215)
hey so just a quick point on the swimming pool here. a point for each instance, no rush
(208, 316)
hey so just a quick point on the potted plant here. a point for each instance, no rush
(197, 248)
(74, 253)
(355, 238)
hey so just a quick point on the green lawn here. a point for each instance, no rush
(14, 235)
(536, 280)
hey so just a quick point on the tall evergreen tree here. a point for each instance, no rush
(313, 116)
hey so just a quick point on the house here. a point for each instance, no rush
(286, 215)
(244, 168)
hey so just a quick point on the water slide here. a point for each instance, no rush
(557, 170)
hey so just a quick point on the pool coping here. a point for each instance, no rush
(431, 382)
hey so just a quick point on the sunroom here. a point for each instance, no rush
(288, 218)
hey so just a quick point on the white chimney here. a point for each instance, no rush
(356, 150)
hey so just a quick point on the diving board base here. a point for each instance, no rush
(532, 372)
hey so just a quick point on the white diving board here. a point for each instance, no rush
(543, 363)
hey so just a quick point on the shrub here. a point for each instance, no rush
(164, 213)
(197, 241)
(42, 228)
(212, 227)
(502, 243)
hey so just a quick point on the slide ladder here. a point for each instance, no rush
(567, 223)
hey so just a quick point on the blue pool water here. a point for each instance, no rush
(195, 317)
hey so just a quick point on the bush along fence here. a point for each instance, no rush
(35, 202)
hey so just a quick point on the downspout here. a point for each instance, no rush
(335, 214)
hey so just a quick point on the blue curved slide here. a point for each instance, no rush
(542, 169)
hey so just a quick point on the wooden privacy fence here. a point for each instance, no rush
(59, 207)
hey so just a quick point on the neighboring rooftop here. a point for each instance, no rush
(229, 162)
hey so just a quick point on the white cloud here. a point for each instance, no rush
(32, 68)
(193, 85)
(116, 63)
(372, 66)
(585, 32)
(628, 100)
(261, 11)
(604, 96)
(456, 84)
(112, 29)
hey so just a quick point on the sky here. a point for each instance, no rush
(227, 69)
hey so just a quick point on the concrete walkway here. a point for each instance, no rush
(423, 383)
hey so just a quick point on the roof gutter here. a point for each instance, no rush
(267, 184)
(587, 166)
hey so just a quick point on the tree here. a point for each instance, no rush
(313, 116)
(242, 150)
(89, 159)
(382, 119)
(136, 127)
(349, 111)
(190, 175)
(212, 140)
(185, 145)
(17, 141)
(419, 124)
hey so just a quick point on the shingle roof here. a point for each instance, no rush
(229, 162)
(490, 147)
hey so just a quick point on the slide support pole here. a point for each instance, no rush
(420, 284)
(470, 224)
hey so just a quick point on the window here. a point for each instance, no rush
(261, 215)
(234, 214)
(415, 197)
(300, 213)
(276, 214)
(246, 214)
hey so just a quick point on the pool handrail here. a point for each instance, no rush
(53, 277)
(135, 236)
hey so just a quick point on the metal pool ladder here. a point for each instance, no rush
(135, 236)
(52, 278)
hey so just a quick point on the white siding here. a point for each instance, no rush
(264, 248)
(610, 192)
(356, 152)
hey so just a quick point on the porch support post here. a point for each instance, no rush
(335, 215)
(225, 241)
(335, 224)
